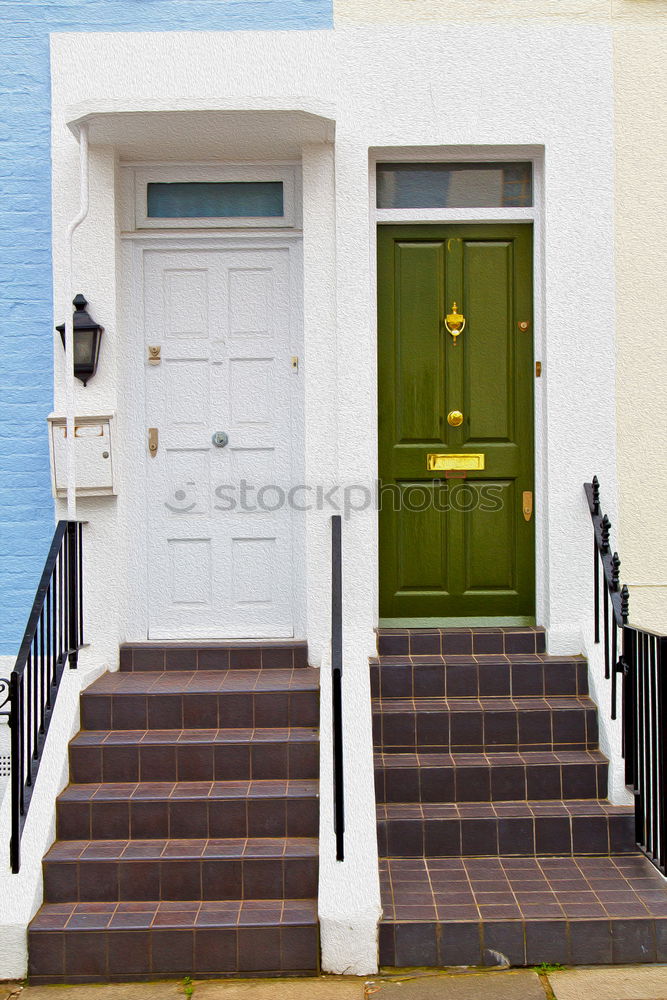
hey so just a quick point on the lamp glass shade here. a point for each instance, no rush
(84, 347)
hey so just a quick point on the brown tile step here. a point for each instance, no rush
(278, 653)
(132, 870)
(468, 725)
(522, 829)
(95, 942)
(194, 755)
(494, 777)
(204, 699)
(422, 641)
(146, 810)
(578, 911)
(484, 675)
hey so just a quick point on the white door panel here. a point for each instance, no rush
(220, 540)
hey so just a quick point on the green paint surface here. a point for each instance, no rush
(455, 548)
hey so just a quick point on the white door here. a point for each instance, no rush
(219, 532)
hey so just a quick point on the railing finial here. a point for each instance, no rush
(615, 570)
(605, 528)
(625, 603)
(596, 495)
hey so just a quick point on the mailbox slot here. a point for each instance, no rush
(93, 441)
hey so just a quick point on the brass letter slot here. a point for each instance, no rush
(468, 461)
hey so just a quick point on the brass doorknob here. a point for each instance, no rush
(454, 418)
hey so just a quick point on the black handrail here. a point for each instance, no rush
(642, 665)
(53, 637)
(336, 683)
(615, 599)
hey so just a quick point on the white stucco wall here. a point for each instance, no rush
(384, 87)
(21, 895)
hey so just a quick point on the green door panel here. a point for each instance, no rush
(455, 548)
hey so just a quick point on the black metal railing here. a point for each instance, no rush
(639, 658)
(53, 637)
(336, 683)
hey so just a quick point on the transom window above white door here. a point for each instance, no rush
(210, 197)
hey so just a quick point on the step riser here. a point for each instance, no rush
(139, 954)
(577, 942)
(193, 762)
(180, 879)
(491, 784)
(477, 731)
(509, 836)
(464, 642)
(184, 819)
(227, 710)
(227, 656)
(476, 680)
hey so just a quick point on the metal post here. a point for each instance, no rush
(336, 682)
(16, 735)
(72, 597)
(662, 750)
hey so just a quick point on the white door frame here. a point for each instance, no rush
(133, 499)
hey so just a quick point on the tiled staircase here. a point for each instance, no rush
(496, 839)
(187, 839)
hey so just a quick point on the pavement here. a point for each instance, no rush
(645, 982)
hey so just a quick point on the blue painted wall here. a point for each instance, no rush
(26, 321)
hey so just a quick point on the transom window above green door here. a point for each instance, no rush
(455, 185)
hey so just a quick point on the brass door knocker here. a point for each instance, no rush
(454, 323)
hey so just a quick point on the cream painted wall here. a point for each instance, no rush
(640, 71)
(441, 11)
(394, 11)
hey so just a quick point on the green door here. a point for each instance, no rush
(456, 545)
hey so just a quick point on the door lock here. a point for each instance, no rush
(220, 439)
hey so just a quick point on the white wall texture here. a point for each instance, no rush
(21, 895)
(385, 87)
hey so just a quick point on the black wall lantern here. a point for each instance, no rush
(87, 337)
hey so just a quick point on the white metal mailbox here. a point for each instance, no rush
(93, 442)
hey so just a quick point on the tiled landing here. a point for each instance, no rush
(283, 654)
(578, 910)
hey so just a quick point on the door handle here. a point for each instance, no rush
(152, 441)
(454, 418)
